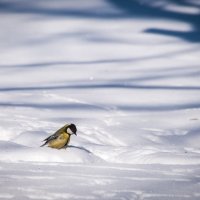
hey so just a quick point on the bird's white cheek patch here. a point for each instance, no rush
(70, 131)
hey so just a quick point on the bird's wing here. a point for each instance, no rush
(56, 134)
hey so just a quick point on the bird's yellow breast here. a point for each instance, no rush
(59, 142)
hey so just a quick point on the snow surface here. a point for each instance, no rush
(126, 73)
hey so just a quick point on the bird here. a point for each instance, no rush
(61, 138)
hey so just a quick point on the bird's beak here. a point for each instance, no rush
(75, 134)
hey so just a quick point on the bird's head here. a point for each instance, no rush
(71, 129)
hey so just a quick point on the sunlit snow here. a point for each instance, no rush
(126, 73)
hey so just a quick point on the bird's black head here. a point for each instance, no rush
(71, 129)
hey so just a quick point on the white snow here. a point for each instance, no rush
(126, 73)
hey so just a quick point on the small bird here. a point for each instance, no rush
(60, 139)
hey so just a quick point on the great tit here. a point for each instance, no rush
(60, 139)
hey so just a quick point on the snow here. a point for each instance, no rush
(126, 73)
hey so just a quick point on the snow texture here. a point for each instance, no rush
(126, 73)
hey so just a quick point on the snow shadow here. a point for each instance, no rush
(125, 9)
(106, 107)
(54, 106)
(145, 9)
(129, 60)
(77, 147)
(100, 86)
(43, 9)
